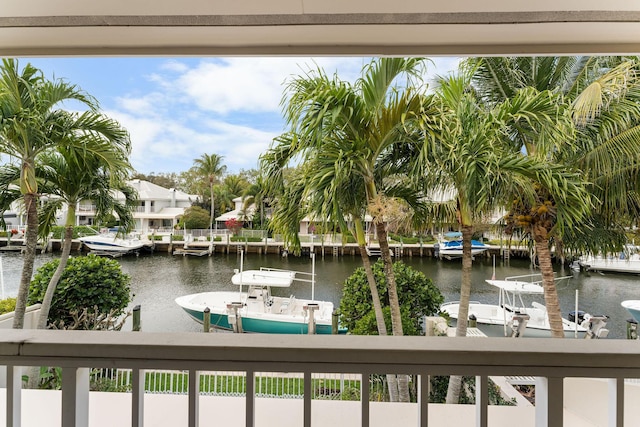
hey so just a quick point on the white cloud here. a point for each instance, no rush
(228, 106)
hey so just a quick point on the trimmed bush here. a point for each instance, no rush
(7, 305)
(87, 282)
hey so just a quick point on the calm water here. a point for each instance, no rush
(158, 279)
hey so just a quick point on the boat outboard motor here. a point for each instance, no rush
(595, 326)
(518, 324)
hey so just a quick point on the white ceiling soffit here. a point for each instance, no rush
(318, 27)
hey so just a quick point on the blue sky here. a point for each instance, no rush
(176, 109)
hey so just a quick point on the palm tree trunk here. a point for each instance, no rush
(548, 282)
(394, 301)
(453, 391)
(31, 239)
(392, 382)
(53, 282)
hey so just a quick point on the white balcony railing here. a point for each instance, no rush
(552, 361)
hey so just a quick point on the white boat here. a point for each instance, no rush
(452, 249)
(625, 262)
(633, 307)
(257, 310)
(112, 243)
(511, 316)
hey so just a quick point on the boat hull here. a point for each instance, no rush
(615, 265)
(633, 307)
(493, 321)
(258, 317)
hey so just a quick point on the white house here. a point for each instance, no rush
(237, 213)
(158, 207)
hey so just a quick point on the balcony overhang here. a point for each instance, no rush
(318, 27)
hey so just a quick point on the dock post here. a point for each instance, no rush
(334, 322)
(233, 316)
(136, 319)
(311, 308)
(632, 329)
(206, 321)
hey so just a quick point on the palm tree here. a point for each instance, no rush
(329, 117)
(29, 117)
(73, 176)
(210, 167)
(603, 96)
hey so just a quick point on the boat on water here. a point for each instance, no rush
(633, 307)
(111, 242)
(256, 310)
(451, 246)
(627, 261)
(512, 317)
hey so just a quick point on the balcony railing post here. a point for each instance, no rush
(250, 398)
(137, 397)
(364, 399)
(616, 402)
(307, 399)
(423, 400)
(75, 397)
(482, 400)
(14, 396)
(194, 398)
(549, 402)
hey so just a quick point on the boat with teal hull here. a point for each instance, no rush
(258, 311)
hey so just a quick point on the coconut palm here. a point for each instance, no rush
(603, 96)
(470, 157)
(354, 125)
(211, 168)
(30, 115)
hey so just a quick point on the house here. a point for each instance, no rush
(238, 213)
(158, 207)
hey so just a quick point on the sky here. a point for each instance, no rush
(177, 109)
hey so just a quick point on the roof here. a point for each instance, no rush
(238, 214)
(312, 27)
(150, 191)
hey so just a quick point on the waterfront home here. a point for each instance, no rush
(158, 208)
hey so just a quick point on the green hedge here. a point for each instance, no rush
(7, 305)
(79, 231)
(246, 239)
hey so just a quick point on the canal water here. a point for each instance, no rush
(160, 278)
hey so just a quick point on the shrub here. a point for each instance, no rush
(195, 217)
(245, 239)
(417, 293)
(78, 231)
(7, 305)
(87, 282)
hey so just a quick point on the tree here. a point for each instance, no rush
(73, 176)
(87, 282)
(194, 218)
(418, 297)
(210, 167)
(469, 156)
(29, 116)
(602, 94)
(344, 130)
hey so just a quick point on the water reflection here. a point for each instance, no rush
(158, 279)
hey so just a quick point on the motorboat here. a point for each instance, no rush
(452, 249)
(627, 261)
(633, 307)
(111, 242)
(512, 317)
(257, 310)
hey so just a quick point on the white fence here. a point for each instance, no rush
(551, 361)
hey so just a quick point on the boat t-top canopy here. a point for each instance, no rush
(517, 286)
(276, 279)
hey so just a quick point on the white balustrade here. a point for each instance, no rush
(550, 361)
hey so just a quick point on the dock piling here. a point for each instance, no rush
(136, 319)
